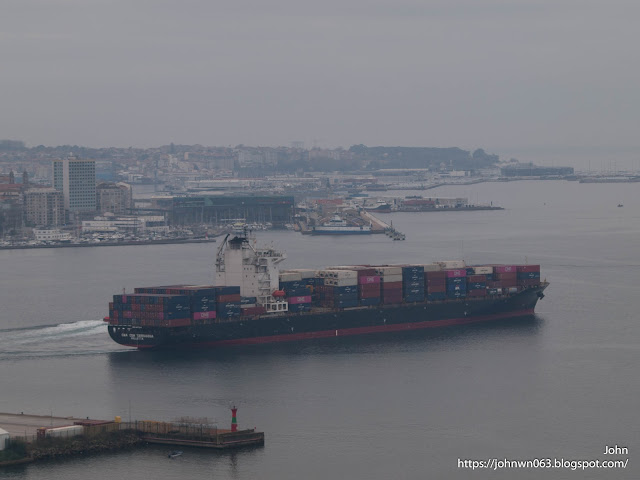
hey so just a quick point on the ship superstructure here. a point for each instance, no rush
(254, 269)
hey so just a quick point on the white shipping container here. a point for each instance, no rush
(290, 277)
(303, 272)
(483, 270)
(384, 271)
(392, 278)
(65, 432)
(341, 282)
(432, 267)
(342, 274)
(451, 264)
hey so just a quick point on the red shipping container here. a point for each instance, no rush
(436, 289)
(368, 279)
(460, 272)
(391, 286)
(527, 268)
(436, 282)
(234, 297)
(203, 315)
(367, 294)
(476, 278)
(298, 300)
(505, 276)
(504, 269)
(179, 322)
(253, 311)
(127, 314)
(436, 274)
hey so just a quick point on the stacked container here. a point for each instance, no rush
(413, 283)
(340, 289)
(368, 286)
(505, 276)
(229, 302)
(456, 283)
(476, 285)
(528, 275)
(390, 284)
(150, 310)
(436, 284)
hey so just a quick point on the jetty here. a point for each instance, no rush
(26, 438)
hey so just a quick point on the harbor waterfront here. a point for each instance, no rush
(409, 405)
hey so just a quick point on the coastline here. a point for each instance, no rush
(113, 244)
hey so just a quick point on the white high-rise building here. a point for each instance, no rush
(76, 179)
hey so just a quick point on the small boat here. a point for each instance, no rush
(620, 205)
(175, 453)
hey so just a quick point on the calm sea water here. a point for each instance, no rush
(564, 384)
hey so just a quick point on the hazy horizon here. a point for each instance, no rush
(496, 75)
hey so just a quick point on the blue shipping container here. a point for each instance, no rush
(456, 294)
(366, 302)
(436, 296)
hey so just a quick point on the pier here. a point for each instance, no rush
(36, 437)
(382, 227)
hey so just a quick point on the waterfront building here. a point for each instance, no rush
(224, 209)
(44, 206)
(114, 198)
(76, 179)
(126, 224)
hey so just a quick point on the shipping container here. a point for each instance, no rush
(436, 296)
(259, 310)
(477, 292)
(296, 300)
(391, 278)
(432, 267)
(456, 294)
(389, 271)
(290, 277)
(449, 264)
(504, 269)
(528, 275)
(437, 288)
(483, 270)
(456, 273)
(203, 315)
(527, 268)
(300, 307)
(366, 279)
(367, 302)
(234, 297)
(341, 282)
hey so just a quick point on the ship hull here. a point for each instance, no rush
(332, 323)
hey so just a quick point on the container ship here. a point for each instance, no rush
(254, 301)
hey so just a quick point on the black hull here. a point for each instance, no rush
(330, 323)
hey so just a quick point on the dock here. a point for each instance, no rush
(36, 437)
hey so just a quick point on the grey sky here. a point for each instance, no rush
(500, 73)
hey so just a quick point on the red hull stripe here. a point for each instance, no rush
(398, 327)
